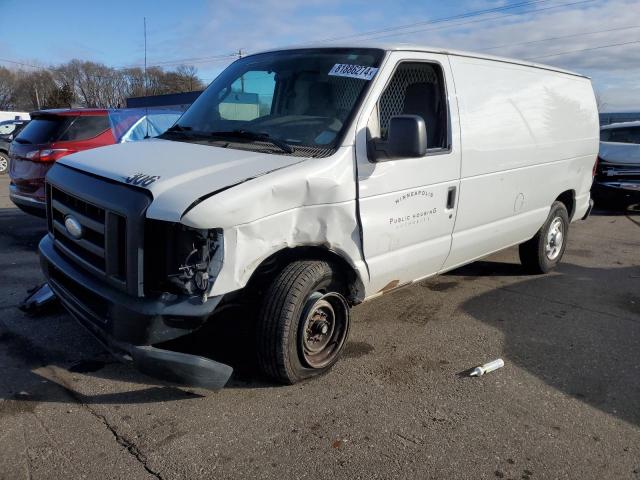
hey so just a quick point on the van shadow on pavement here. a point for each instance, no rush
(578, 331)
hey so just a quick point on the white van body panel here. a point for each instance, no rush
(176, 173)
(312, 203)
(406, 226)
(528, 135)
(519, 136)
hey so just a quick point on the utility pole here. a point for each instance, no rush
(146, 81)
(242, 77)
(145, 55)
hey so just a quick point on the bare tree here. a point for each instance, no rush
(7, 86)
(188, 80)
(91, 84)
(32, 88)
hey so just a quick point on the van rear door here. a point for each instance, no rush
(408, 206)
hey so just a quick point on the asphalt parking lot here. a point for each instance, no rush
(566, 404)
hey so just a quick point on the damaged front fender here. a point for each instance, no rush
(309, 204)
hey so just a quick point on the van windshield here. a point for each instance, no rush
(297, 102)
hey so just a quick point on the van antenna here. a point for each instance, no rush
(146, 81)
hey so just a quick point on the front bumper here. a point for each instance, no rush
(128, 326)
(27, 203)
(617, 190)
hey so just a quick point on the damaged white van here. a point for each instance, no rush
(310, 180)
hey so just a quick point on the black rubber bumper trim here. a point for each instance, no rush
(140, 315)
(589, 209)
(135, 320)
(27, 204)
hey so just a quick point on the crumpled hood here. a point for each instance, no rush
(176, 173)
(620, 153)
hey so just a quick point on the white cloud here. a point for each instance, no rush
(614, 70)
(254, 25)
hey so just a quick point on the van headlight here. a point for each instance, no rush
(180, 259)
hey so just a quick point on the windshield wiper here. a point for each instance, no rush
(249, 135)
(178, 128)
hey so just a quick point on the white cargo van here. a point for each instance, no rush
(306, 181)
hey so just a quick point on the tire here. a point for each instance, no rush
(4, 163)
(303, 322)
(543, 252)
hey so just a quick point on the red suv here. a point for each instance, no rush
(50, 135)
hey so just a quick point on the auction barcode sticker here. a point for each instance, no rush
(353, 71)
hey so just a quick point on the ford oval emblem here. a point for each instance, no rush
(73, 226)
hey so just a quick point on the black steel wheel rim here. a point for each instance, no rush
(323, 329)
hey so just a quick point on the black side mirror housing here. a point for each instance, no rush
(407, 138)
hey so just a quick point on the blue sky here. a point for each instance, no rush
(46, 32)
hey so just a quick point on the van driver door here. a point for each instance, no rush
(408, 206)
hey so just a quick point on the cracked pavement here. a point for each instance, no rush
(566, 404)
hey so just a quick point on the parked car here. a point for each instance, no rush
(8, 130)
(617, 179)
(306, 181)
(53, 134)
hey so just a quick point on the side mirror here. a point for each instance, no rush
(407, 138)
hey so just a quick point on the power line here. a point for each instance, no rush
(429, 22)
(497, 17)
(558, 38)
(21, 63)
(567, 52)
(225, 57)
(184, 60)
(218, 58)
(388, 29)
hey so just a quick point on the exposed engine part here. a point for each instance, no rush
(193, 273)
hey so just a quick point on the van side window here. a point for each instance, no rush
(417, 88)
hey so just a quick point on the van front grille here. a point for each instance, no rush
(101, 246)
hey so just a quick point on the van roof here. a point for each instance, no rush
(409, 47)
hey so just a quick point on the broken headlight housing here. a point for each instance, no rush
(181, 260)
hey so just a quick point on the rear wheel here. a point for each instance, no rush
(304, 322)
(543, 252)
(4, 163)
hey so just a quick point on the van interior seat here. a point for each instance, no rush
(420, 99)
(321, 99)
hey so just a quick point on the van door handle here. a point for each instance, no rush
(451, 198)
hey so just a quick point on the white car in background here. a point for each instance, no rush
(617, 179)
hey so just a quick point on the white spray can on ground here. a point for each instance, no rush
(487, 367)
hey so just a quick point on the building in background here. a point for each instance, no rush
(173, 101)
(4, 115)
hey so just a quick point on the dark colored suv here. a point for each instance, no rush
(50, 135)
(8, 130)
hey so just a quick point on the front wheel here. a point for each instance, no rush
(304, 322)
(4, 163)
(543, 252)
